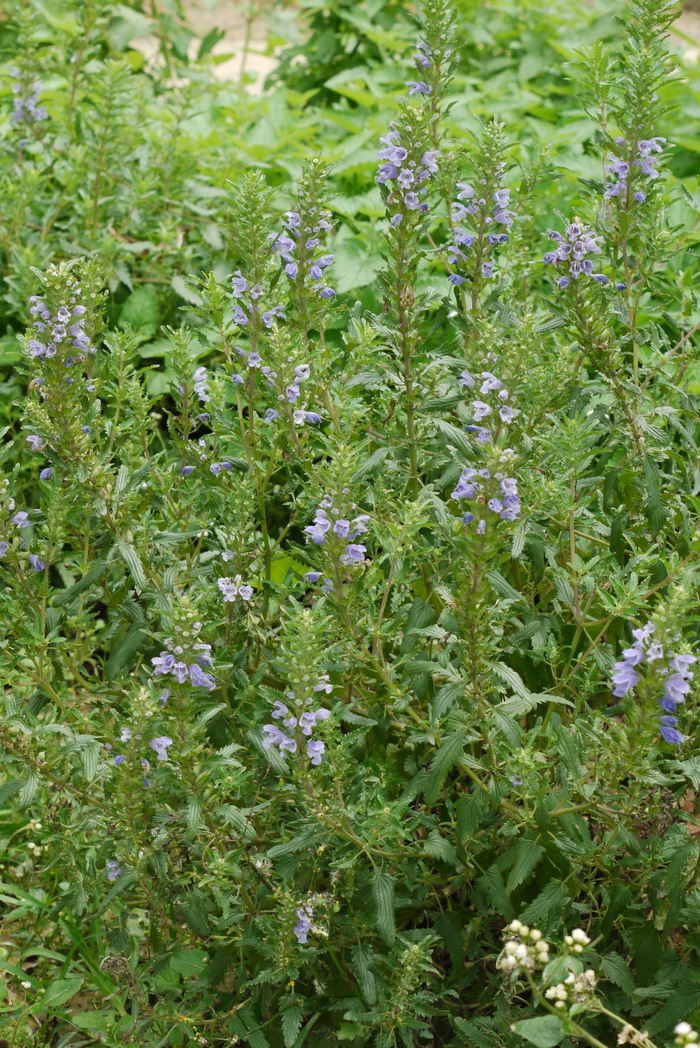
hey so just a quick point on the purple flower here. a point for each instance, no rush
(200, 679)
(481, 410)
(271, 415)
(676, 688)
(239, 284)
(315, 750)
(353, 554)
(4, 546)
(418, 87)
(113, 870)
(312, 576)
(669, 732)
(35, 442)
(119, 759)
(160, 746)
(163, 663)
(624, 678)
(303, 925)
(36, 563)
(682, 663)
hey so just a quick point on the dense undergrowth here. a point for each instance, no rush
(349, 530)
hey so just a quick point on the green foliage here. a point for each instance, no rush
(182, 862)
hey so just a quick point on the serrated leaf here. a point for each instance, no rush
(29, 790)
(551, 900)
(442, 763)
(618, 972)
(291, 1019)
(67, 595)
(383, 893)
(526, 855)
(130, 556)
(141, 310)
(362, 960)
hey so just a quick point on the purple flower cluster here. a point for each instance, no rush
(407, 165)
(239, 289)
(215, 468)
(573, 249)
(337, 528)
(290, 385)
(491, 388)
(676, 676)
(300, 723)
(305, 242)
(424, 54)
(20, 521)
(159, 746)
(184, 666)
(58, 332)
(475, 484)
(231, 589)
(619, 168)
(303, 925)
(113, 870)
(484, 213)
(26, 108)
(313, 576)
(38, 444)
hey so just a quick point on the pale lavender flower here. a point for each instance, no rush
(113, 870)
(303, 925)
(200, 679)
(160, 746)
(36, 563)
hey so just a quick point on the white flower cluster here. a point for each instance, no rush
(577, 940)
(524, 948)
(686, 1036)
(576, 989)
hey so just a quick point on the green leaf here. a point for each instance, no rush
(291, 1024)
(526, 855)
(618, 972)
(185, 290)
(188, 962)
(141, 310)
(470, 812)
(362, 960)
(545, 1031)
(443, 762)
(67, 595)
(130, 556)
(383, 892)
(551, 900)
(57, 993)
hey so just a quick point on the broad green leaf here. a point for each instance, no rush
(545, 1031)
(57, 993)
